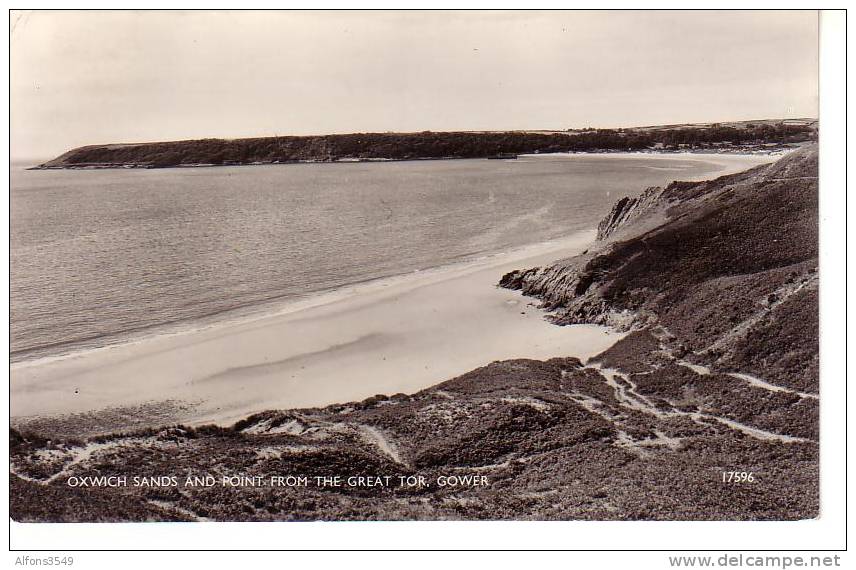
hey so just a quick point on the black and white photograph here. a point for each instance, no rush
(394, 265)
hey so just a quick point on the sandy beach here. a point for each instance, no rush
(725, 162)
(395, 335)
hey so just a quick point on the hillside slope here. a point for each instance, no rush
(732, 273)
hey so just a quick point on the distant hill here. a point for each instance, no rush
(431, 145)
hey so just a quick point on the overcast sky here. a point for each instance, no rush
(97, 77)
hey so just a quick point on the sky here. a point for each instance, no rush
(99, 77)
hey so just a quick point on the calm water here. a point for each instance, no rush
(99, 257)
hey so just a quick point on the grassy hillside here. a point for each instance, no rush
(732, 274)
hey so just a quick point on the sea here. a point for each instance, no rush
(99, 257)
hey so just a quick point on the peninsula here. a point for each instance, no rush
(745, 136)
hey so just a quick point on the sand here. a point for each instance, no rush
(394, 335)
(724, 162)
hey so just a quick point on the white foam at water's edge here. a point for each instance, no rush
(311, 300)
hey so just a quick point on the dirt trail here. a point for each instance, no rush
(627, 396)
(759, 383)
(375, 437)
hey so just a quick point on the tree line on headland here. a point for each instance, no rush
(428, 145)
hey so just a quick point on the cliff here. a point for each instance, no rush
(717, 282)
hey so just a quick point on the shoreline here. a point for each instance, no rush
(348, 326)
(725, 163)
(393, 335)
(312, 299)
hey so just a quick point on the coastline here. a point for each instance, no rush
(393, 335)
(722, 164)
(649, 405)
(700, 153)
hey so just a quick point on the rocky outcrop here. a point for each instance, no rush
(628, 209)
